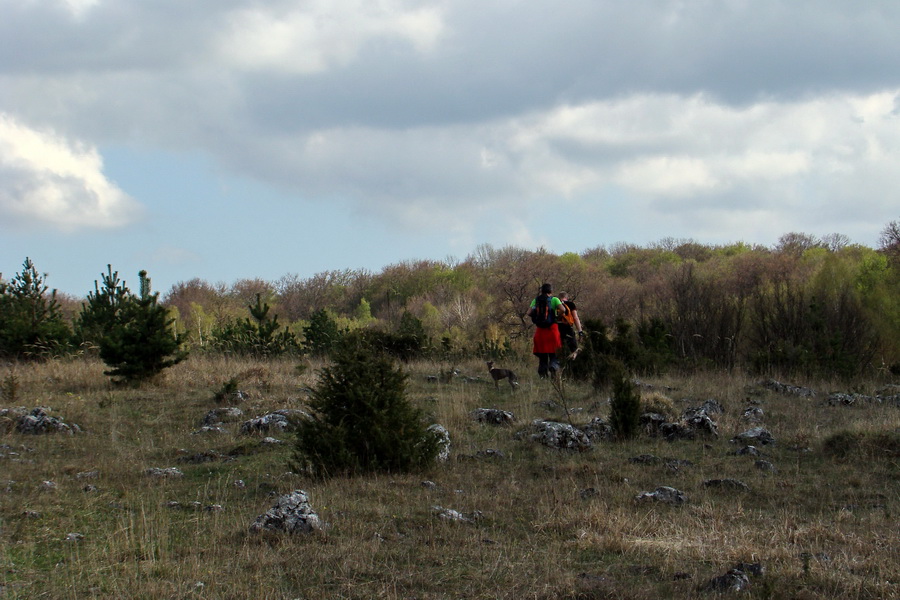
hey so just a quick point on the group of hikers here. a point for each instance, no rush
(556, 325)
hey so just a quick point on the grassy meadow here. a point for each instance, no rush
(553, 525)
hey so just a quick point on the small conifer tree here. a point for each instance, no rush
(322, 334)
(625, 407)
(140, 341)
(31, 323)
(101, 311)
(362, 418)
(262, 336)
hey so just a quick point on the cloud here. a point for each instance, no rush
(419, 114)
(49, 181)
(321, 34)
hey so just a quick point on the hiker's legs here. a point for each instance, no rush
(567, 333)
(543, 363)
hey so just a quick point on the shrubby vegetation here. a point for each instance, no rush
(133, 333)
(805, 306)
(31, 323)
(362, 419)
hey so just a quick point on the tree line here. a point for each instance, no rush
(807, 305)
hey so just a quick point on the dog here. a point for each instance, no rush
(498, 374)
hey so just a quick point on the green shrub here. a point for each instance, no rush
(625, 408)
(362, 420)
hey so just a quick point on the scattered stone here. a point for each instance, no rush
(704, 424)
(74, 537)
(48, 485)
(443, 441)
(709, 408)
(758, 435)
(270, 441)
(32, 514)
(493, 416)
(292, 513)
(728, 483)
(652, 422)
(787, 389)
(732, 581)
(429, 485)
(842, 399)
(748, 451)
(39, 422)
(210, 429)
(737, 579)
(561, 436)
(764, 465)
(448, 514)
(239, 483)
(217, 416)
(676, 431)
(598, 430)
(170, 472)
(752, 414)
(90, 488)
(663, 494)
(281, 420)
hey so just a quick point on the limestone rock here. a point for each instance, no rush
(292, 513)
(728, 484)
(170, 472)
(38, 422)
(734, 580)
(664, 494)
(787, 389)
(598, 430)
(443, 441)
(757, 435)
(493, 416)
(216, 416)
(561, 436)
(448, 514)
(278, 421)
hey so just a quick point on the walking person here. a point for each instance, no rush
(569, 324)
(543, 311)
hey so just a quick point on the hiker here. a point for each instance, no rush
(568, 323)
(546, 334)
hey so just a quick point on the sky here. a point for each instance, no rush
(239, 139)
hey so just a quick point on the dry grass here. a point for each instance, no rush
(823, 524)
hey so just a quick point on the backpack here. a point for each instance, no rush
(542, 315)
(564, 315)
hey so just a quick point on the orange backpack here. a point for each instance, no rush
(564, 315)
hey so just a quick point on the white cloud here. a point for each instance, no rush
(47, 180)
(322, 34)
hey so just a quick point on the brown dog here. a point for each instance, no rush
(498, 374)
